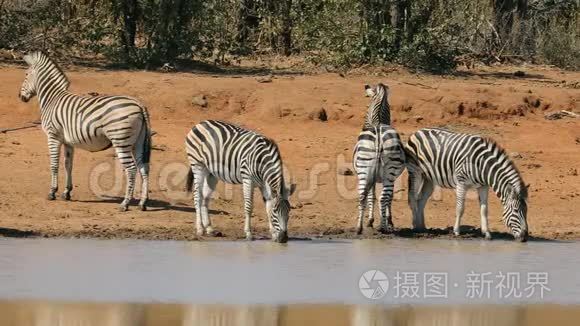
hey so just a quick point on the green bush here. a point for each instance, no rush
(425, 35)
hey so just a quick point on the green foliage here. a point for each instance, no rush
(426, 35)
(429, 52)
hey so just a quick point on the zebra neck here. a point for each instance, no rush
(46, 98)
(506, 179)
(378, 113)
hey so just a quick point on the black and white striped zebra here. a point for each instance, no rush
(92, 123)
(379, 110)
(378, 157)
(218, 150)
(438, 157)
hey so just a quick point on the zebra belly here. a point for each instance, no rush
(95, 144)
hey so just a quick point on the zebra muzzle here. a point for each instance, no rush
(281, 237)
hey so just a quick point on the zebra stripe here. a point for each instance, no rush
(438, 157)
(378, 157)
(90, 123)
(219, 150)
(379, 110)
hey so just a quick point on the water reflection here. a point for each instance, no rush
(100, 314)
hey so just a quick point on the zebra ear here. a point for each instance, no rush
(28, 59)
(369, 91)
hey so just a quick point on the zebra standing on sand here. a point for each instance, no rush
(92, 123)
(438, 157)
(378, 157)
(219, 150)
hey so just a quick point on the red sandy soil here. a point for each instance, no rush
(491, 102)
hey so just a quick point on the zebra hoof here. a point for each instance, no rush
(199, 233)
(143, 207)
(66, 195)
(387, 229)
(370, 223)
(249, 236)
(51, 196)
(123, 208)
(214, 233)
(359, 230)
(487, 236)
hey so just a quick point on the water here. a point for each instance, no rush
(264, 272)
(302, 282)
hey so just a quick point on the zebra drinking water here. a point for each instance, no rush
(219, 150)
(92, 123)
(378, 157)
(438, 157)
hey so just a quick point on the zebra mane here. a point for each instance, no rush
(36, 57)
(521, 188)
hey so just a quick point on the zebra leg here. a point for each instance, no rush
(68, 163)
(386, 199)
(364, 187)
(144, 173)
(54, 146)
(208, 188)
(248, 190)
(371, 206)
(198, 181)
(415, 186)
(460, 191)
(483, 192)
(125, 155)
(426, 192)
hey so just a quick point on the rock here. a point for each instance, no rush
(573, 172)
(167, 67)
(265, 79)
(199, 100)
(344, 170)
(418, 118)
(297, 205)
(319, 114)
(516, 155)
(532, 101)
(561, 114)
(534, 166)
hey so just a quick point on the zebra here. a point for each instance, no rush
(378, 157)
(92, 123)
(379, 110)
(438, 157)
(220, 150)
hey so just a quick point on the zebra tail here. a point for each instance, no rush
(147, 142)
(189, 182)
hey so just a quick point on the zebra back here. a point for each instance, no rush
(229, 152)
(442, 154)
(377, 146)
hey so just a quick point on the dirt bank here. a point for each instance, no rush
(495, 103)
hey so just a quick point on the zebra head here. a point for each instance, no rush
(515, 209)
(378, 91)
(41, 71)
(28, 88)
(278, 208)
